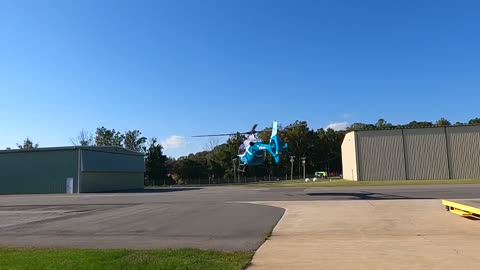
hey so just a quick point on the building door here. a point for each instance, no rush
(69, 185)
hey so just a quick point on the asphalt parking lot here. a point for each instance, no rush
(218, 218)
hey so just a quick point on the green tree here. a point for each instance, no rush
(300, 144)
(215, 166)
(225, 155)
(474, 121)
(297, 137)
(443, 122)
(108, 137)
(134, 141)
(361, 126)
(27, 144)
(169, 167)
(415, 124)
(155, 163)
(84, 138)
(322, 149)
(192, 169)
(381, 123)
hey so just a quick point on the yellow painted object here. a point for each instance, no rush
(461, 209)
(460, 213)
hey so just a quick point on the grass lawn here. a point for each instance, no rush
(347, 183)
(96, 259)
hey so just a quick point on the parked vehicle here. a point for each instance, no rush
(321, 175)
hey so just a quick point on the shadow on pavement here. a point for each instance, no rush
(155, 190)
(363, 196)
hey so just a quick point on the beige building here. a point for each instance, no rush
(412, 154)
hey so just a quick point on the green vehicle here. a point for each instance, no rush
(321, 174)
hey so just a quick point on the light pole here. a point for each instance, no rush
(299, 171)
(291, 167)
(303, 163)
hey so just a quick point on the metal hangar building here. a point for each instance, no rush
(412, 154)
(70, 170)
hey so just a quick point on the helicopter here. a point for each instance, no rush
(253, 150)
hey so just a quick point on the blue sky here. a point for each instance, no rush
(180, 68)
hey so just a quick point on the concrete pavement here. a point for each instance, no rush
(203, 217)
(369, 234)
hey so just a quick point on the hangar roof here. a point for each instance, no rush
(406, 128)
(106, 149)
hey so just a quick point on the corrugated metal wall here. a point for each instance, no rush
(426, 153)
(99, 161)
(31, 171)
(415, 154)
(110, 181)
(349, 157)
(464, 146)
(111, 171)
(381, 155)
(45, 170)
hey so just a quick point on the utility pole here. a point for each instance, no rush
(291, 167)
(303, 163)
(299, 171)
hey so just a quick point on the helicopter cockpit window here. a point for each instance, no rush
(241, 149)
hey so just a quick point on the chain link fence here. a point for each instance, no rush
(234, 181)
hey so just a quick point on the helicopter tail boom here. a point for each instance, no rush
(276, 146)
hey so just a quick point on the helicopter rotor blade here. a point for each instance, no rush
(253, 129)
(288, 127)
(215, 135)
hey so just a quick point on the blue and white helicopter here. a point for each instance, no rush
(253, 150)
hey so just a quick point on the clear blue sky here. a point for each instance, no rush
(179, 68)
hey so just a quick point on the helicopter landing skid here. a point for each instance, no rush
(241, 168)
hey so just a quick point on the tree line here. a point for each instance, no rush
(321, 149)
(219, 163)
(382, 124)
(156, 168)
